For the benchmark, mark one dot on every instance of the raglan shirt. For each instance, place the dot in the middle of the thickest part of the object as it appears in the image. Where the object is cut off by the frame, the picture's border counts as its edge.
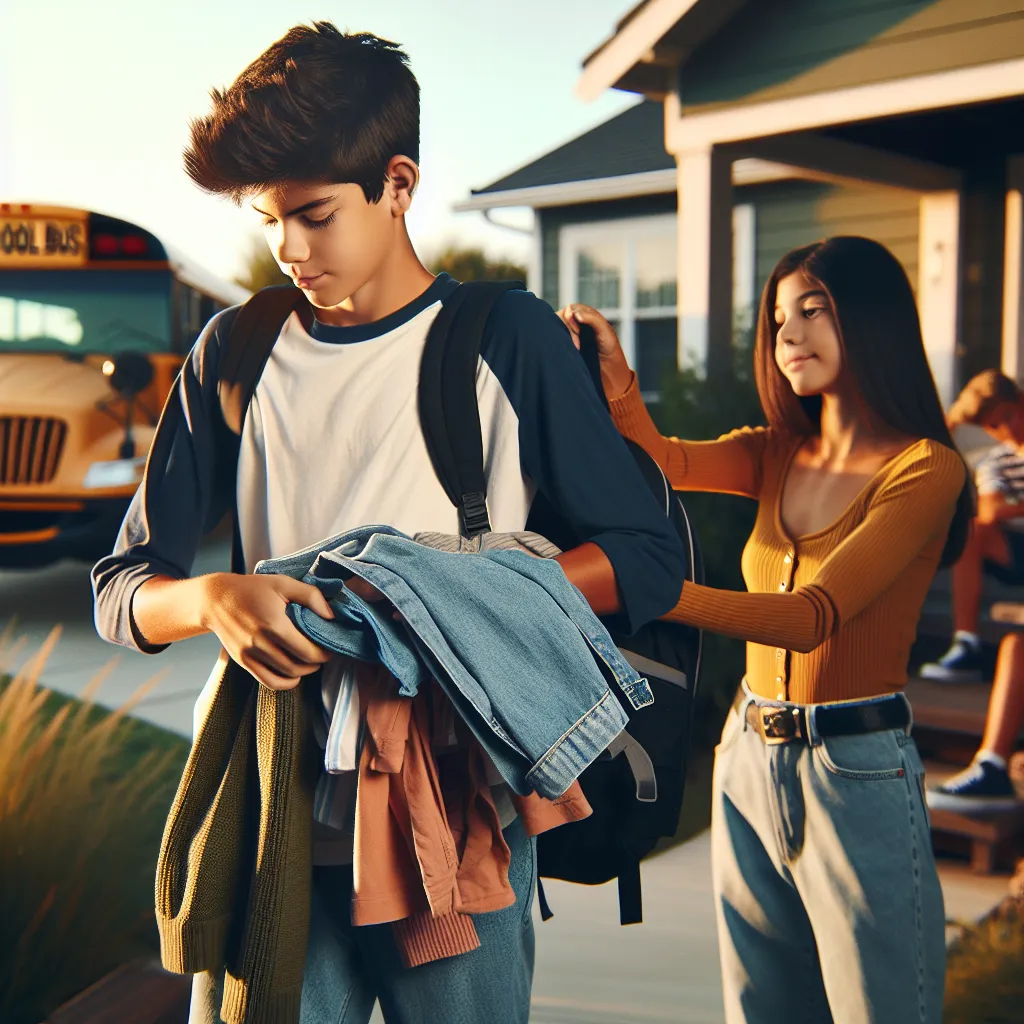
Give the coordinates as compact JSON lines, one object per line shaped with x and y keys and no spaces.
{"x":1001,"y":471}
{"x":332,"y":440}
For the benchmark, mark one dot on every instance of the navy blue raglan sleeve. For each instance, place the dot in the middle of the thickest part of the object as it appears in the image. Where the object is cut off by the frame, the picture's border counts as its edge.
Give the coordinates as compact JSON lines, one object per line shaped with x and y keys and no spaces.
{"x":572,"y":452}
{"x":187,"y":488}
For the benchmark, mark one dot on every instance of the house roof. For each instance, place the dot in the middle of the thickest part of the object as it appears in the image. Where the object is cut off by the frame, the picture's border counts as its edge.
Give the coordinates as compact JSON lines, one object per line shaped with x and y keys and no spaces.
{"x":621,"y":158}
{"x":633,"y":142}
{"x":649,"y":44}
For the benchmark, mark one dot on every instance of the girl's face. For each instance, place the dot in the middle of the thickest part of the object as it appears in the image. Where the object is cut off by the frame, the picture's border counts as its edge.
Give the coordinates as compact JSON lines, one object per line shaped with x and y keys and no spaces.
{"x":807,"y":348}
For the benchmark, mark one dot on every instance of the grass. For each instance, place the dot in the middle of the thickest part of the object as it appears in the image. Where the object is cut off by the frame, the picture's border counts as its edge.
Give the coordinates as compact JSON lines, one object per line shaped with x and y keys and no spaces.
{"x":985,"y":970}
{"x":84,"y":794}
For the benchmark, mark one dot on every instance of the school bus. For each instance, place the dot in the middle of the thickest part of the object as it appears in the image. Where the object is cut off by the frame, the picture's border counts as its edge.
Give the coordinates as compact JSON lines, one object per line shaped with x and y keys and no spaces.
{"x":96,"y":317}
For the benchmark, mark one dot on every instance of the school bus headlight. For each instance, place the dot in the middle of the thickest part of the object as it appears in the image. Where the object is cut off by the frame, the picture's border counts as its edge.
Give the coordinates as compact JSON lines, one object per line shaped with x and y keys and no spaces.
{"x":119,"y":473}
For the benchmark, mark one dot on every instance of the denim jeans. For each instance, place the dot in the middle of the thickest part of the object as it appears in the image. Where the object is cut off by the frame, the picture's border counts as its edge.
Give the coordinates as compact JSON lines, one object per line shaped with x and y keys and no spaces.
{"x":828,"y":902}
{"x":513,"y":644}
{"x":348,"y":969}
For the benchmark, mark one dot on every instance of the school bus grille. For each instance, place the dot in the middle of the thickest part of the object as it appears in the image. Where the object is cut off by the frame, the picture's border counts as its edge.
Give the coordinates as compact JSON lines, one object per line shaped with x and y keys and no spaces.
{"x":30,"y":448}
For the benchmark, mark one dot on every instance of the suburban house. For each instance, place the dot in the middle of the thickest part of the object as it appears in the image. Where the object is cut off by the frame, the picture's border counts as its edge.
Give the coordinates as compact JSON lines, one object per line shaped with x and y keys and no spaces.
{"x":762,"y":126}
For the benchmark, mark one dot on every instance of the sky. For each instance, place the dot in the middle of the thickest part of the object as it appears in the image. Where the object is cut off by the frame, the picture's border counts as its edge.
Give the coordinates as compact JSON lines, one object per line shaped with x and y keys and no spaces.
{"x":95,"y":100}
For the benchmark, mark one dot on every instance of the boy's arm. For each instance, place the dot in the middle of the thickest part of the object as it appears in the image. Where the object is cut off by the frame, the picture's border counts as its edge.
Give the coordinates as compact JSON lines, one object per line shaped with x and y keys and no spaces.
{"x":632,"y":562}
{"x":144,"y":598}
{"x":186,"y":489}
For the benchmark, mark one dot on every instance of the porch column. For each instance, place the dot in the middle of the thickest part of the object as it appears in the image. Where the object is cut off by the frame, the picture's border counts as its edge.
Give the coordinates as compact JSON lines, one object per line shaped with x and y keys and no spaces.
{"x":705,"y":259}
{"x":983,"y":238}
{"x":938,"y":286}
{"x":1013,"y":321}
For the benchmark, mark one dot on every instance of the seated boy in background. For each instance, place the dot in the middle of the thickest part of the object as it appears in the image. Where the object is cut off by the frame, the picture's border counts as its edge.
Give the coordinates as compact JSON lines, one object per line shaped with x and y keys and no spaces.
{"x":996,"y":545}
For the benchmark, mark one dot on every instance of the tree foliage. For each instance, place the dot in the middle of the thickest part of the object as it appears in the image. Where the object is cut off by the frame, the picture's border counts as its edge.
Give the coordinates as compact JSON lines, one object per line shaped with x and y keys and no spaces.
{"x":261,"y":269}
{"x":474,"y":265}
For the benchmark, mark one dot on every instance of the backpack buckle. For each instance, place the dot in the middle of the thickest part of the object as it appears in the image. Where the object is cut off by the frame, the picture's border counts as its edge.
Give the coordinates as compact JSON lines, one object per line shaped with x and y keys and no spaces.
{"x":474,"y":514}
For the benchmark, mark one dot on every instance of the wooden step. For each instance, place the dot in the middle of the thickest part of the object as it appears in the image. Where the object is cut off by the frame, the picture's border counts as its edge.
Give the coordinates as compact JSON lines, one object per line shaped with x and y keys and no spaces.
{"x":949,"y":707}
{"x":1008,"y":612}
{"x":993,"y":841}
{"x":949,"y":718}
{"x":139,"y":992}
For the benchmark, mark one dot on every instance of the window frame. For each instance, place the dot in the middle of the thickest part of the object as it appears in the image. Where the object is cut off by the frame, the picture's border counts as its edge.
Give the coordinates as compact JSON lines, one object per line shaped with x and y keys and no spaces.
{"x":626,"y":231}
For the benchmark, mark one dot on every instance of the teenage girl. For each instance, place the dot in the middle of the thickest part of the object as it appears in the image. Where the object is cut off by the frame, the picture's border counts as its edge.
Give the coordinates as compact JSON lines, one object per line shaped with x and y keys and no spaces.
{"x":828,"y":902}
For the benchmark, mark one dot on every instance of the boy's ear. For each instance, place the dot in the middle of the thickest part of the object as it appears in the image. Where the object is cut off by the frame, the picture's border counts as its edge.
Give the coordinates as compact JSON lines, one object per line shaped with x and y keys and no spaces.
{"x":403,"y":177}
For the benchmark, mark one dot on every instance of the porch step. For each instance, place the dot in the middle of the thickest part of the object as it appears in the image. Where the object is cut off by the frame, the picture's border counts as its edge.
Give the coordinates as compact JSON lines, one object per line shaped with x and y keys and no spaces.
{"x":139,"y":992}
{"x":993,"y":842}
{"x":949,"y":719}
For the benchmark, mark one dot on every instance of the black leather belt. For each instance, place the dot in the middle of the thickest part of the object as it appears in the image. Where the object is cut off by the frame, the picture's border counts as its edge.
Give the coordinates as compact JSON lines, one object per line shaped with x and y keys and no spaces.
{"x":783,"y":724}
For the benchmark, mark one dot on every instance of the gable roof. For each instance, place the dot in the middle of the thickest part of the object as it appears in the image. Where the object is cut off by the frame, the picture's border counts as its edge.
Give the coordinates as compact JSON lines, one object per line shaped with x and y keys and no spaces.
{"x":649,"y":43}
{"x":630,"y":143}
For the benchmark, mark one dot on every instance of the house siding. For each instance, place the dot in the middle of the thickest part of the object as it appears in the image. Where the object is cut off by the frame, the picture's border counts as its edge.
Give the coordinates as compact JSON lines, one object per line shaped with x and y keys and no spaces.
{"x":788,"y":214}
{"x":799,"y":47}
{"x":791,"y":214}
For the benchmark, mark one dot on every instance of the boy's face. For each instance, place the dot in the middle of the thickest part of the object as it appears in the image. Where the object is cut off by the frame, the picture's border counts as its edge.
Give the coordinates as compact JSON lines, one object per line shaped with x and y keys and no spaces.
{"x":328,"y":238}
{"x":1005,"y":423}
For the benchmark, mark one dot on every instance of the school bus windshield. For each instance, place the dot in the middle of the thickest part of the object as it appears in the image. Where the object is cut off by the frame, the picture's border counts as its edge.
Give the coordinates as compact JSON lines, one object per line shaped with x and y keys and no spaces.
{"x":79,"y":312}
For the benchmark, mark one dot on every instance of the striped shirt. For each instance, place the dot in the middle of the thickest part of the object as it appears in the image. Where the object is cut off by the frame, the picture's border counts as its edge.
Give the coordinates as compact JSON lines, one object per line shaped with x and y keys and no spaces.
{"x":1001,"y":471}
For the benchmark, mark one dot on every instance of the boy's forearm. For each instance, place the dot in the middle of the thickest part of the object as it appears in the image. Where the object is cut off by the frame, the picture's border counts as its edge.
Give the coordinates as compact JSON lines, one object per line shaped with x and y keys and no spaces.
{"x":165,"y":610}
{"x":587,"y":567}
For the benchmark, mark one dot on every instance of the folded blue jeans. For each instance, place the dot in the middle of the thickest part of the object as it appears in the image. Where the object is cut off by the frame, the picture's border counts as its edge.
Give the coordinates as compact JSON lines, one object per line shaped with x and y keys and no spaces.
{"x":510,"y":640}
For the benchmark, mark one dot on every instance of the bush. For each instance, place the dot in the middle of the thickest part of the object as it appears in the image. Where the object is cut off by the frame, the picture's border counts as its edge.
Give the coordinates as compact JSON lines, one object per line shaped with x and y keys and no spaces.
{"x":84,"y":797}
{"x":985,"y":971}
{"x":698,"y":408}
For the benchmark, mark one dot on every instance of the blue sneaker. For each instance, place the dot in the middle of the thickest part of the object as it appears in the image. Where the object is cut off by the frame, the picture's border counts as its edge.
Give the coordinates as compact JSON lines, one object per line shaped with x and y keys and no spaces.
{"x":980,"y":787}
{"x":962,"y":663}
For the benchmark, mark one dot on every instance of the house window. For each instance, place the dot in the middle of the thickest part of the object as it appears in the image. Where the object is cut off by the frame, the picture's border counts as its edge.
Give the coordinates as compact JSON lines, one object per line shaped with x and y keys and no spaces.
{"x":627,"y":270}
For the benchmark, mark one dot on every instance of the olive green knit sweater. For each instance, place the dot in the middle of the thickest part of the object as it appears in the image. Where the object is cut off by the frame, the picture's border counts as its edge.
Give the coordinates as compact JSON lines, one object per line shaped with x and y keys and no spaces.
{"x":234,"y":874}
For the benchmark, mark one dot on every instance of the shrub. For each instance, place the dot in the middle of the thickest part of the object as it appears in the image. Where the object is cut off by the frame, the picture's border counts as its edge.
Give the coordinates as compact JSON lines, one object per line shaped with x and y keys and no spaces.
{"x":82,"y":806}
{"x":985,"y":971}
{"x":698,"y":408}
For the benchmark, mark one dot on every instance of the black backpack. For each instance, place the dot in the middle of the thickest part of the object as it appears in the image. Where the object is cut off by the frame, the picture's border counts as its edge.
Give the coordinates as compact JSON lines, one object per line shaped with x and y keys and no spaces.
{"x":636,"y":798}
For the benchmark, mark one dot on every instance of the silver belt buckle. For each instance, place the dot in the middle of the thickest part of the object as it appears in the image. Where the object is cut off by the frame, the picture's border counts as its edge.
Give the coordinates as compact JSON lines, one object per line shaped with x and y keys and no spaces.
{"x":779,"y":725}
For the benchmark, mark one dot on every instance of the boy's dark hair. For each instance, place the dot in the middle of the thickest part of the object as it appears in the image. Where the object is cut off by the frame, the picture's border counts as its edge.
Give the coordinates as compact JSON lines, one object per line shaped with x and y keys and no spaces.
{"x":318,"y":105}
{"x":980,"y":397}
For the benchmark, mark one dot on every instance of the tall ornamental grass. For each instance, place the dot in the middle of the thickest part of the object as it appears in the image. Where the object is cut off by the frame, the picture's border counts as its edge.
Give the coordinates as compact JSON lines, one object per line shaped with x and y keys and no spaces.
{"x":82,"y":805}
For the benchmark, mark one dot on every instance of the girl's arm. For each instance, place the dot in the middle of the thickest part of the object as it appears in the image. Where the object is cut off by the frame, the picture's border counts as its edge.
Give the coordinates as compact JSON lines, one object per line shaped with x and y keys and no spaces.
{"x":908,"y":511}
{"x":730,"y":465}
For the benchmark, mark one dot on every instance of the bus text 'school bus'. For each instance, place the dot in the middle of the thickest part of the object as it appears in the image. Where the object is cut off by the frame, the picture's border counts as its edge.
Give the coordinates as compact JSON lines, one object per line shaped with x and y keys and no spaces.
{"x":96,"y":317}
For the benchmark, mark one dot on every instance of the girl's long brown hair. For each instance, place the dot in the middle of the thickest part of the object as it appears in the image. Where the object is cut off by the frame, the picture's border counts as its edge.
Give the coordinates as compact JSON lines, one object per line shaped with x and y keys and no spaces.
{"x":876,"y":319}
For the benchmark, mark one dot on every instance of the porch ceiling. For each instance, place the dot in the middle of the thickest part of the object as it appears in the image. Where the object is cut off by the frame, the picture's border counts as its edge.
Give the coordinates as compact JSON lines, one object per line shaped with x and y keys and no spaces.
{"x":955,"y":137}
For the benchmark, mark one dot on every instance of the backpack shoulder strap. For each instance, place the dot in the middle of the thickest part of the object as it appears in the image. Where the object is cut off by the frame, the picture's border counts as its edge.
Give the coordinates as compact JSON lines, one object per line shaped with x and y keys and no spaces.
{"x":449,"y":414}
{"x":250,"y":341}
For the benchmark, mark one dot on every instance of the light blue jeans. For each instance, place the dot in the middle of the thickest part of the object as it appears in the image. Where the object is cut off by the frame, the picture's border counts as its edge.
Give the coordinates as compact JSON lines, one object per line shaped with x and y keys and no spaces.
{"x":828,"y":902}
{"x":513,"y":644}
{"x":348,"y":968}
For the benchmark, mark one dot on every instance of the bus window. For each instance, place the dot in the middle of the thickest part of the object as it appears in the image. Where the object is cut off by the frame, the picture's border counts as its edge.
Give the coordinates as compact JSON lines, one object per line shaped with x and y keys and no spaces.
{"x":82,"y":312}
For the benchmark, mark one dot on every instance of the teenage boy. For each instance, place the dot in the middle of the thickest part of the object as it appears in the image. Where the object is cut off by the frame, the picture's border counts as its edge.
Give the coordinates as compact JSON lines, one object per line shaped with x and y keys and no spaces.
{"x":320,"y":135}
{"x":996,"y":546}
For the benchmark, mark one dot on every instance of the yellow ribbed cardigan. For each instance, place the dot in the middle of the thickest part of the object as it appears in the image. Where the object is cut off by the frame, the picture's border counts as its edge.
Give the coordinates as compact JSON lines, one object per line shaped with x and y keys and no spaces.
{"x":830,"y":615}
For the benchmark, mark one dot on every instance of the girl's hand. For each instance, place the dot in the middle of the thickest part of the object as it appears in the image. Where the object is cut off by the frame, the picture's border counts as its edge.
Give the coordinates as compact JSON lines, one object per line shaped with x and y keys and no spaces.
{"x":616,"y":375}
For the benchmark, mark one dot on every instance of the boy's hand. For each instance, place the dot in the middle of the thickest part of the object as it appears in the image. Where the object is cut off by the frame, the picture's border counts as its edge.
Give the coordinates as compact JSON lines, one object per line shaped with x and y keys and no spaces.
{"x":247,"y":613}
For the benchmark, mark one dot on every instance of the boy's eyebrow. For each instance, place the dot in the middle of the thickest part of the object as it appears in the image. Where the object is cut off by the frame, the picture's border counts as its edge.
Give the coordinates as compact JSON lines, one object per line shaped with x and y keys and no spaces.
{"x":300,"y":209}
